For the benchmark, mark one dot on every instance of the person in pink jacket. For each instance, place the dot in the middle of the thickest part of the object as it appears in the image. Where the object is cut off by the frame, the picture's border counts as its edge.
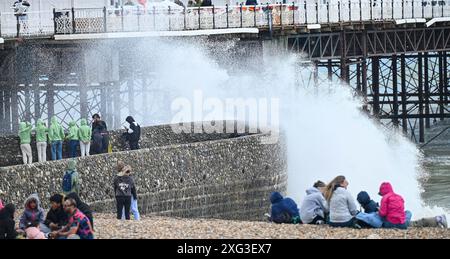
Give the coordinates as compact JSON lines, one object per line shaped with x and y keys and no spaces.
{"x":392,"y":208}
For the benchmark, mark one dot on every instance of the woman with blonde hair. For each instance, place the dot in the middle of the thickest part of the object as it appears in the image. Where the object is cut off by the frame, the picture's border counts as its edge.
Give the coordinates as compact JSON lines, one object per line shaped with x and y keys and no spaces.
{"x":341,"y":203}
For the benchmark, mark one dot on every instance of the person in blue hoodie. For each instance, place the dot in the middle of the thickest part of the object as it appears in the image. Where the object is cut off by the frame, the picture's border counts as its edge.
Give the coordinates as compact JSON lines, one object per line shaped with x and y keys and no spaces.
{"x":366,"y":203}
{"x":284,"y":210}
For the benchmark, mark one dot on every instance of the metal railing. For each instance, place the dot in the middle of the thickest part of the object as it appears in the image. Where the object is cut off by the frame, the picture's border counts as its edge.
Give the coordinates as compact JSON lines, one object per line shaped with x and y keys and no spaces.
{"x":137,"y":19}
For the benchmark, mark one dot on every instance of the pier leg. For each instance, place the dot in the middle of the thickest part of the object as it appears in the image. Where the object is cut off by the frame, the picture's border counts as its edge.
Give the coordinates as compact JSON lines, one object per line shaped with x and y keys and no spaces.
{"x":420,"y":92}
{"x":27,"y":115}
{"x":403,"y":83}
{"x":37,"y":104}
{"x":441,"y":86}
{"x":50,"y":105}
{"x":395,"y":106}
{"x":14,"y":110}
{"x":426,"y":91}
{"x":376,"y":86}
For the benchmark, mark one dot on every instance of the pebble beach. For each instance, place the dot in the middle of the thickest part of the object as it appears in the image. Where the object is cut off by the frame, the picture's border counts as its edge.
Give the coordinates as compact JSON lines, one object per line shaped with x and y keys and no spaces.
{"x":149,"y":227}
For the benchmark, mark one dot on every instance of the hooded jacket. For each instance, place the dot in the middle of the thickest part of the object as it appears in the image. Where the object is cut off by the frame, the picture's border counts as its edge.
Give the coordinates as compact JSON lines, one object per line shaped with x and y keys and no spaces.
{"x":56,"y":132}
{"x":392,"y":205}
{"x":313,"y":205}
{"x":366,"y":203}
{"x":32,"y":215}
{"x":124,"y":184}
{"x":73,"y":131}
{"x":84,"y":132}
{"x":83,"y":207}
{"x":134,"y":132}
{"x":25,"y":132}
{"x":7,"y":224}
{"x":41,"y":131}
{"x":281,"y":207}
{"x":342,"y":206}
{"x":76,"y":181}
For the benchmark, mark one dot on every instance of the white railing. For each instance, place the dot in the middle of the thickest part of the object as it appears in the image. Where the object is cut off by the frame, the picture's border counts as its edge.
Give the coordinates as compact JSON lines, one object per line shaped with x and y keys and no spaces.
{"x":136,"y":19}
{"x":34,"y":24}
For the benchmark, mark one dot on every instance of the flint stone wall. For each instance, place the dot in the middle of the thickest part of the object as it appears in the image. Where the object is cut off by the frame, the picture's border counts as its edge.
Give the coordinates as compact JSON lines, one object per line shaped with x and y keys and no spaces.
{"x":155,"y":136}
{"x":213,"y":177}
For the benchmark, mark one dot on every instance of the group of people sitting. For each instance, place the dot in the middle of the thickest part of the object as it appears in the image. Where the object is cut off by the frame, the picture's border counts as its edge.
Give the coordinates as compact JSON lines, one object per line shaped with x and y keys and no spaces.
{"x":333,"y":204}
{"x":69,"y":217}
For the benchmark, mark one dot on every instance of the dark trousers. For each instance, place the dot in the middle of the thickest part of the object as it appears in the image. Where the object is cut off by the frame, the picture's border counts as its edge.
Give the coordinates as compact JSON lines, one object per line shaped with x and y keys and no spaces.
{"x":105,"y":142}
{"x":348,"y":224}
{"x":134,"y":145}
{"x":317,"y":218}
{"x":123,"y":202}
{"x":73,"y":148}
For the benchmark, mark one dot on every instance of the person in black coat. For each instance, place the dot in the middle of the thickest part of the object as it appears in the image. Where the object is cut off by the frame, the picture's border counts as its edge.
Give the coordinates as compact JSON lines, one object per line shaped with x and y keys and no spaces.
{"x":99,"y":135}
{"x":83,"y":207}
{"x":7,"y":223}
{"x":124,"y":189}
{"x":56,"y":216}
{"x":133,"y":133}
{"x":251,"y":2}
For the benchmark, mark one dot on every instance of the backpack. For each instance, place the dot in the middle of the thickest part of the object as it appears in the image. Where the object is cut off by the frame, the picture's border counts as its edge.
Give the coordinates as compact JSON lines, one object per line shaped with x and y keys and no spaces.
{"x":67,"y":181}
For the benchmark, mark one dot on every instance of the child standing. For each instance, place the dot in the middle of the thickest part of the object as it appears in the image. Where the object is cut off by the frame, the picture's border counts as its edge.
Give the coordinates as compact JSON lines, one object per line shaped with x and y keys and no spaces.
{"x":41,"y":140}
{"x":73,"y":139}
{"x":25,"y":140}
{"x":85,"y":135}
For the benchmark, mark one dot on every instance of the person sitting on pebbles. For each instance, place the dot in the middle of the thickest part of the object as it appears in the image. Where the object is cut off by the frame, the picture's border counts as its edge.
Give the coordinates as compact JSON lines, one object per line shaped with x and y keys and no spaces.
{"x":79,"y":226}
{"x":392,"y":211}
{"x":56,"y":216}
{"x":314,"y":207}
{"x":341,"y":203}
{"x":283,"y":210}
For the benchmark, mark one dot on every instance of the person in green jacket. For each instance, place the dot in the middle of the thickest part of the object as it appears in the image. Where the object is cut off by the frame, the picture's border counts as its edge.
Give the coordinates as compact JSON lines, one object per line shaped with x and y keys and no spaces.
{"x":41,"y":140}
{"x":56,"y":135}
{"x":25,"y":140}
{"x":73,"y":138}
{"x":71,"y":180}
{"x":85,"y":135}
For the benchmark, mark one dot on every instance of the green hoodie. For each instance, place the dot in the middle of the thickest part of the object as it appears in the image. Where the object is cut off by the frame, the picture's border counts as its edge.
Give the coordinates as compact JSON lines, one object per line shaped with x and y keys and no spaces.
{"x":76,"y":181}
{"x":25,"y":132}
{"x":85,"y":132}
{"x":73,"y":131}
{"x":41,"y":131}
{"x":56,"y":132}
